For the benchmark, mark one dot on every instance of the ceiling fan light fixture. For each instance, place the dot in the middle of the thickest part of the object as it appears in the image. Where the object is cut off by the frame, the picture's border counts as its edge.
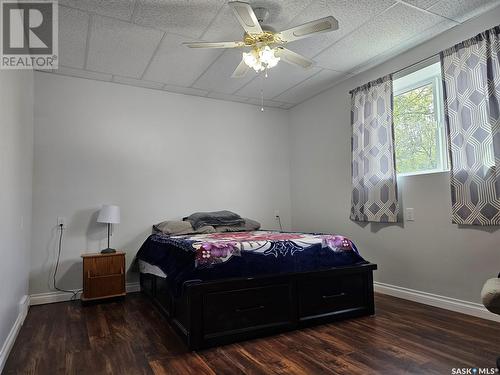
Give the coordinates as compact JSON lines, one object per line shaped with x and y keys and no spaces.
{"x":260,"y":59}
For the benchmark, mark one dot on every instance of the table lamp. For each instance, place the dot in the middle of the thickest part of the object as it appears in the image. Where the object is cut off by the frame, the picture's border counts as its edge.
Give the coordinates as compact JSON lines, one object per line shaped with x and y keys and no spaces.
{"x":109,"y":214}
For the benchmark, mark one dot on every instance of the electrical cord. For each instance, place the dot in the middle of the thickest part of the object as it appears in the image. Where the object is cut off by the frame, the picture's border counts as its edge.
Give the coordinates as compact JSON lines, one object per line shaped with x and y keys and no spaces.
{"x":279,"y":222}
{"x":73,"y":292}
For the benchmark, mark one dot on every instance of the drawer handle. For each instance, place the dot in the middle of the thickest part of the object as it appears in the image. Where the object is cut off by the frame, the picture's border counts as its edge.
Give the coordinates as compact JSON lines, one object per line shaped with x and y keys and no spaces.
{"x":244,"y":309}
{"x":334,"y":295}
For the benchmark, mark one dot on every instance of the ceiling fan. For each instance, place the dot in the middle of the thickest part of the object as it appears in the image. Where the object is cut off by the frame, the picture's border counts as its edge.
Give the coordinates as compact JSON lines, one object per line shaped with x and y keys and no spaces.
{"x":264,"y":44}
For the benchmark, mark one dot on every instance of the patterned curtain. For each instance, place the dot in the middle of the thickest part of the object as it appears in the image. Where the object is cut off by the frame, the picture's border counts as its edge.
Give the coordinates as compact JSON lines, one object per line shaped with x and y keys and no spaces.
{"x":374,"y":188}
{"x":471,"y":82}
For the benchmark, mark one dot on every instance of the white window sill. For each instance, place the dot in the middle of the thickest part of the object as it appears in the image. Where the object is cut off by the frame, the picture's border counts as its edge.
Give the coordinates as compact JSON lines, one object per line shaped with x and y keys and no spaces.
{"x":421,"y":173}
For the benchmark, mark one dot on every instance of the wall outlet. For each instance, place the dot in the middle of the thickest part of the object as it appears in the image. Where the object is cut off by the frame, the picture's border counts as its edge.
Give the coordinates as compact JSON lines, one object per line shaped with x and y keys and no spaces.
{"x":276,"y":213}
{"x":410,"y":214}
{"x":61,"y":220}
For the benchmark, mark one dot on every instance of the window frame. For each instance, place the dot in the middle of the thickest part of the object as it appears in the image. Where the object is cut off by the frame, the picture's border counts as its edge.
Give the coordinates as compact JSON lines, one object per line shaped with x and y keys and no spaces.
{"x":438,"y":102}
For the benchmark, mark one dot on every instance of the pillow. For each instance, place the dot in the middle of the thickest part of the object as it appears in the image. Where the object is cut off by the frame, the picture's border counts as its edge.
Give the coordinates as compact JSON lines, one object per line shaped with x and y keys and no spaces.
{"x":248,"y":226}
{"x":216,"y":218}
{"x":180,"y":227}
{"x":491,"y":295}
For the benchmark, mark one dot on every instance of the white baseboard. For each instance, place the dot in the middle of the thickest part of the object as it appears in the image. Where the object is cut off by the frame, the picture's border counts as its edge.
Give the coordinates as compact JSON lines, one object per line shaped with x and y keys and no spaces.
{"x":53,"y":297}
{"x":448,"y":303}
{"x":11,"y":337}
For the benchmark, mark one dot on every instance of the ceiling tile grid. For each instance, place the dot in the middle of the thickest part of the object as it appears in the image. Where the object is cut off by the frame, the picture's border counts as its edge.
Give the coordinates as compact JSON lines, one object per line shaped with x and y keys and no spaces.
{"x":138,"y":82}
{"x":396,"y":24}
{"x":317,"y":83}
{"x":170,"y":65}
{"x":462,"y":10}
{"x":218,"y":76}
{"x":120,"y":9}
{"x":80,"y":73}
{"x":343,"y":11}
{"x":278,"y":80}
{"x":139,"y":42}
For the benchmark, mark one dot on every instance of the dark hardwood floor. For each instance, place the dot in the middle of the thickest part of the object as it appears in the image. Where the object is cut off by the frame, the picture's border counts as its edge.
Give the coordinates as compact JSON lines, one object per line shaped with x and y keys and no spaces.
{"x":131,"y":337}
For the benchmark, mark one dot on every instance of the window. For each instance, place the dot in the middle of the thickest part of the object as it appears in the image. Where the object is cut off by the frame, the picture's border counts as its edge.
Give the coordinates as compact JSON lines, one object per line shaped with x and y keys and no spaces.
{"x":419,"y":134}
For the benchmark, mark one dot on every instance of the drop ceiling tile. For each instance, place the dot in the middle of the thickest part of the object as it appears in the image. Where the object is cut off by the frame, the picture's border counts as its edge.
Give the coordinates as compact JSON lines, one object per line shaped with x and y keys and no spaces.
{"x":178,"y":65}
{"x":380,"y":34}
{"x":423,"y":4}
{"x":119,"y":47}
{"x":138,"y":82}
{"x":73,"y":28}
{"x":80,"y":73}
{"x":224,"y":27}
{"x":350,"y":14}
{"x":267,"y":103}
{"x":190,"y":18}
{"x":121,"y":9}
{"x":462,"y":10}
{"x":311,"y":86}
{"x":185,"y":90}
{"x":232,"y":98}
{"x":407,"y":44}
{"x":280,"y":78}
{"x":218,"y":77}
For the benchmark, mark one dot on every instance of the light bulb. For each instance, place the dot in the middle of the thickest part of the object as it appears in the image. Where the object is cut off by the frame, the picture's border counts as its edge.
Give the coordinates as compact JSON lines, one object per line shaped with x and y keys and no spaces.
{"x":266,"y":55}
{"x":258,"y":66}
{"x":273,"y":62}
{"x":249,"y":59}
{"x":260,"y":59}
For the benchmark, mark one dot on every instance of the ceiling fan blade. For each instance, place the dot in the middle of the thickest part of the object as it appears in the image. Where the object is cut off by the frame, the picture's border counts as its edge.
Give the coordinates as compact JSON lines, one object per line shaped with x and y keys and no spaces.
{"x":308,"y":29}
{"x":214,"y":44}
{"x":246,"y":17}
{"x":294,"y":58}
{"x":241,"y":70}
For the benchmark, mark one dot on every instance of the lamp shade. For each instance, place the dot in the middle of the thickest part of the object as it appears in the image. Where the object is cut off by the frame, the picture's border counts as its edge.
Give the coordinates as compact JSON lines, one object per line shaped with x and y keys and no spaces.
{"x":109,"y":214}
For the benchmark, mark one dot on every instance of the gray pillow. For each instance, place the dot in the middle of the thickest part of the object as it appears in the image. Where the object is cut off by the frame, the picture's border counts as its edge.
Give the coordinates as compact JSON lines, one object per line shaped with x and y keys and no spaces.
{"x":172,"y":227}
{"x":248,"y":226}
{"x":216,"y":218}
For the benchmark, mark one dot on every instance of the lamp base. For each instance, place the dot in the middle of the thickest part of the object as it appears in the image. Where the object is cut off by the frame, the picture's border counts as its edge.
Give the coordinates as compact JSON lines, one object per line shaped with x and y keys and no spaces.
{"x":108,"y":251}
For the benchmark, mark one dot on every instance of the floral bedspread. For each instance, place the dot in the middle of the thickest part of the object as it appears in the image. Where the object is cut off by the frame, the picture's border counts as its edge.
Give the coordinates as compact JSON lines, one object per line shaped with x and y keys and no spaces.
{"x":215,"y":248}
{"x":203,"y":257}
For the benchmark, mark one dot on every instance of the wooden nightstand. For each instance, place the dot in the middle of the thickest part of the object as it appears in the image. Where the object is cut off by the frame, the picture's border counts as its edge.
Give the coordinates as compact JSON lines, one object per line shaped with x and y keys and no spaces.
{"x":103,"y":276}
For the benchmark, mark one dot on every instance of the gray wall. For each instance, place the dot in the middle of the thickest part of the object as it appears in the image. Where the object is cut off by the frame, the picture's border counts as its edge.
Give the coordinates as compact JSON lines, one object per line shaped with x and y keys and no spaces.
{"x":16,"y":168}
{"x":156,"y":154}
{"x":430,"y":254}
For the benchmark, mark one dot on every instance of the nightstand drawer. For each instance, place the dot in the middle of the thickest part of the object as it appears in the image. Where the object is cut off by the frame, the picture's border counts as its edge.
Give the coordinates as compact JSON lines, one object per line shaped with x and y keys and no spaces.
{"x":104,"y":266}
{"x":103,"y":275}
{"x":103,"y":286}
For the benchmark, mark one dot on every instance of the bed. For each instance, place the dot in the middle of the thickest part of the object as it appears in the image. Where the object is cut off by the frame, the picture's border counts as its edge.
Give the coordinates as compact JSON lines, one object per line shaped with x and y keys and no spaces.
{"x":218,"y":288}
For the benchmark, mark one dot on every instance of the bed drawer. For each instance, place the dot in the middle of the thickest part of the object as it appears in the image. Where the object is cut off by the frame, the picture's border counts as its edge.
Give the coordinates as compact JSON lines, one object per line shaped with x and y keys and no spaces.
{"x":246,"y":309}
{"x":331,"y":295}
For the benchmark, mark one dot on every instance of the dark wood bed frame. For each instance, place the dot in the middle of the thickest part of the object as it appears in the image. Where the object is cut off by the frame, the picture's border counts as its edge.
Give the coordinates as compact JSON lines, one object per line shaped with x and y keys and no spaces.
{"x":212,"y":313}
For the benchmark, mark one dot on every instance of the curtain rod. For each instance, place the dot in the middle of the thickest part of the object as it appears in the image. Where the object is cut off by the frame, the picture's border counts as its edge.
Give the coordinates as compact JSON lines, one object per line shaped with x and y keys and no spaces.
{"x":422,"y":61}
{"x":419,"y":62}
